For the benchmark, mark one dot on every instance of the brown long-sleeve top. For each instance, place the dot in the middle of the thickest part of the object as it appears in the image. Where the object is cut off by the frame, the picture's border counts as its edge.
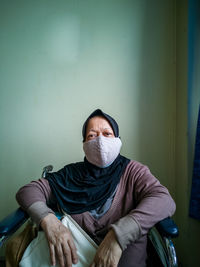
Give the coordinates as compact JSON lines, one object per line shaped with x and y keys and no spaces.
{"x":139,"y":203}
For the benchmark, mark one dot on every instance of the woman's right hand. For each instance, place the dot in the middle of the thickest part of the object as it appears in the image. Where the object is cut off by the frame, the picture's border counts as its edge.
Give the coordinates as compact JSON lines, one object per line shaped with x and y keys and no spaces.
{"x":61,"y":244}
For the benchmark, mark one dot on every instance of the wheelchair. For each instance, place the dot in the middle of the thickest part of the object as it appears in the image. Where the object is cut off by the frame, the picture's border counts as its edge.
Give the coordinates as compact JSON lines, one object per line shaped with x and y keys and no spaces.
{"x":160,"y":248}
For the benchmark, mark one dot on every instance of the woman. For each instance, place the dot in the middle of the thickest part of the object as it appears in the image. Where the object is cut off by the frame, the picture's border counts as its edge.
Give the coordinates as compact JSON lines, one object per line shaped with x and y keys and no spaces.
{"x":114,"y":199}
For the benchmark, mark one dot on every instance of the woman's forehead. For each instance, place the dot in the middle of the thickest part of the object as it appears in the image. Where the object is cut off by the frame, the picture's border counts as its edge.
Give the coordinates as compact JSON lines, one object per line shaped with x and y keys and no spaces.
{"x":98,"y":121}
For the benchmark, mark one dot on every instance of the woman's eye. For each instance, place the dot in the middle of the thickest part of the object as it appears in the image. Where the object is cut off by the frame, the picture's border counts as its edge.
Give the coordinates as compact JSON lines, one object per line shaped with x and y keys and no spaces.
{"x":108,"y":134}
{"x":90,"y":136}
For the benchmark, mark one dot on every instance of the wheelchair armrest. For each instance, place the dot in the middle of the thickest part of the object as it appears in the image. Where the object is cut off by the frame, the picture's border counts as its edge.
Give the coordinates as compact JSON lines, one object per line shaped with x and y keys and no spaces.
{"x":12,"y":222}
{"x":167,"y":228}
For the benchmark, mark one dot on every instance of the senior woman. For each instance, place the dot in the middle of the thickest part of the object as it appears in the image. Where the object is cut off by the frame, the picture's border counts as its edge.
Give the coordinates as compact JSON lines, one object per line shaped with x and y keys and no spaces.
{"x":115,"y":200}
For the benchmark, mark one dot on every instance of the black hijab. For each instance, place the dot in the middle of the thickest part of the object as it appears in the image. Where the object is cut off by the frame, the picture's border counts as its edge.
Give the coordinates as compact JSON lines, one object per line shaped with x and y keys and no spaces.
{"x":82,"y":186}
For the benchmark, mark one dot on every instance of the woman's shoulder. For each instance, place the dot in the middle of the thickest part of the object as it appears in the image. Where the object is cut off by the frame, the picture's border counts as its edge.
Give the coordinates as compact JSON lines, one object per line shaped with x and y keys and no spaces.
{"x":136,"y":166}
{"x":136,"y":175}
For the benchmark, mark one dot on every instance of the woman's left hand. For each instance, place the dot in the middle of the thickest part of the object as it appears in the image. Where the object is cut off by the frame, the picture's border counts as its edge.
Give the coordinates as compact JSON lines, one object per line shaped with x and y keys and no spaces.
{"x":109,"y":252}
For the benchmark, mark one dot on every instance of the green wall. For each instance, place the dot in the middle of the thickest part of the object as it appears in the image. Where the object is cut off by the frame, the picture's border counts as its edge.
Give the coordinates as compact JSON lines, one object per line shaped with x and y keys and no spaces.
{"x":60,"y":60}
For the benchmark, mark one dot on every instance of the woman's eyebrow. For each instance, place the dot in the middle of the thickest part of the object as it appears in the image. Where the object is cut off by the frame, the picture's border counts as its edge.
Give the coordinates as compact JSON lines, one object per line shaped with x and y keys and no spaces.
{"x":108,"y":128}
{"x":93,"y":130}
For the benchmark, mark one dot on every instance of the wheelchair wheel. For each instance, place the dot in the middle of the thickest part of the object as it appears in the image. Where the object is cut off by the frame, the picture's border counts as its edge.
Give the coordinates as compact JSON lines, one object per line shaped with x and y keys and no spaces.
{"x":156,"y":250}
{"x":153,"y":259}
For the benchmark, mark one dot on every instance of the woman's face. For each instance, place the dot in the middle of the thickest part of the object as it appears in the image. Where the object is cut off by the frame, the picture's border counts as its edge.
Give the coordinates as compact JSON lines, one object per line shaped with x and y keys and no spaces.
{"x":97,"y":126}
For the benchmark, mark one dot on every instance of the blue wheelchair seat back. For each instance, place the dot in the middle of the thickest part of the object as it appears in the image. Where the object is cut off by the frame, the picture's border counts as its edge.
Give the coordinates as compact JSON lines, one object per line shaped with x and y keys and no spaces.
{"x":160,"y":236}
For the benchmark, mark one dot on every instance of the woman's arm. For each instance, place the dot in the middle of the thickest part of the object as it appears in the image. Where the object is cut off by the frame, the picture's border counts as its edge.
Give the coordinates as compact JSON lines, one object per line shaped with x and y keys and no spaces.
{"x":153,"y":204}
{"x":35,"y":198}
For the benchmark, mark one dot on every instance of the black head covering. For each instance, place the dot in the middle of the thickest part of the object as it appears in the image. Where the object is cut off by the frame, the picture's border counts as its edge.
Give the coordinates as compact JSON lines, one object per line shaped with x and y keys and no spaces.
{"x":99,"y":112}
{"x":82,"y":186}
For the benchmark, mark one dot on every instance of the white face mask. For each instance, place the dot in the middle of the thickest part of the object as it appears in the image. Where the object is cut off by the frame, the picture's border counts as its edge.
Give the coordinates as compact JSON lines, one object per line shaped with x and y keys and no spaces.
{"x":102,"y":151}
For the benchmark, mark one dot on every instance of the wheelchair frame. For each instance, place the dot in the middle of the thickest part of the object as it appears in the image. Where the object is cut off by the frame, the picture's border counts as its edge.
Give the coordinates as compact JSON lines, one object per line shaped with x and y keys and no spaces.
{"x":160,"y":235}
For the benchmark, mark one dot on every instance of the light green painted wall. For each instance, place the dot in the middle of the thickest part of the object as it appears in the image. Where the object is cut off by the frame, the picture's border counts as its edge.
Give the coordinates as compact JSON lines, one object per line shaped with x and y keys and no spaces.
{"x":59,"y":60}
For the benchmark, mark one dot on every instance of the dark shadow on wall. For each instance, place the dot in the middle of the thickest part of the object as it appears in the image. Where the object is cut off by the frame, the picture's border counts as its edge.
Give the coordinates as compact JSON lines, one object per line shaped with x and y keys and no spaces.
{"x":157,"y":92}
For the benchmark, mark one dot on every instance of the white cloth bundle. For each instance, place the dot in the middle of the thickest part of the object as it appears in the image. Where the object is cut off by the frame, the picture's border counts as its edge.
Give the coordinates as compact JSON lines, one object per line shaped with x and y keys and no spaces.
{"x":37,"y":253}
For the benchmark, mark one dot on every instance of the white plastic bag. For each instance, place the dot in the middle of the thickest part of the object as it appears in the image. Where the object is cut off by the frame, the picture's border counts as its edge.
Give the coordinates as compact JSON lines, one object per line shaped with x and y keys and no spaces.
{"x":37,"y":253}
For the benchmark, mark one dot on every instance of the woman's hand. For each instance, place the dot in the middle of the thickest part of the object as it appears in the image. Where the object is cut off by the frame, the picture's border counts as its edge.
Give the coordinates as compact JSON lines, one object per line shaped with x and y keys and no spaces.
{"x":109,"y":252}
{"x":61,"y":244}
